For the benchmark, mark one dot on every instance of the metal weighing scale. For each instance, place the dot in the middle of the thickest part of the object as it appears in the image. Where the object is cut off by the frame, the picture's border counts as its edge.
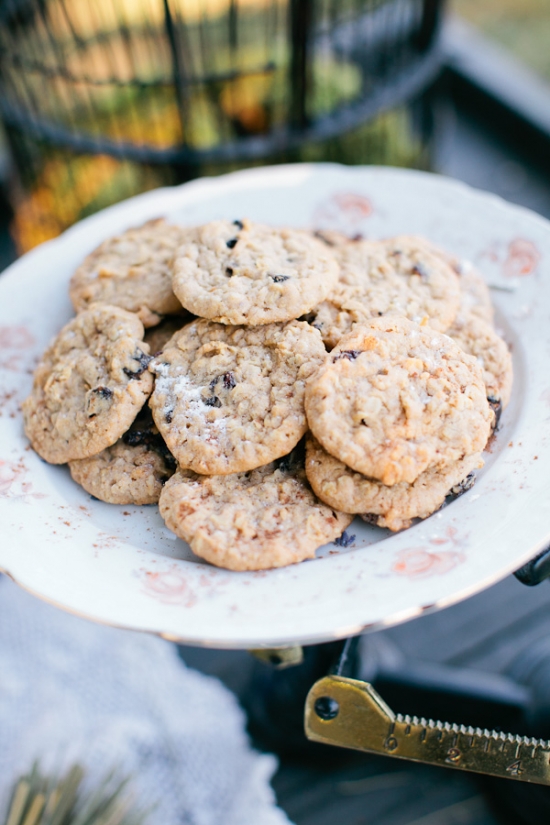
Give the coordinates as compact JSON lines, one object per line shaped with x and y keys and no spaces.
{"x":350,"y":713}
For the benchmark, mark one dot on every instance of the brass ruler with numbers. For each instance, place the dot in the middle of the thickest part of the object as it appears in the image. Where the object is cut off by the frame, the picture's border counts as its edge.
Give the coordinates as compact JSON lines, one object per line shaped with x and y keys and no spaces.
{"x":351,"y":714}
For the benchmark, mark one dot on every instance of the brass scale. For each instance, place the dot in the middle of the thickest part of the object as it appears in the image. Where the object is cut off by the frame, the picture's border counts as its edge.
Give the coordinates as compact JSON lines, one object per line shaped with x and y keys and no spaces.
{"x":350,"y":713}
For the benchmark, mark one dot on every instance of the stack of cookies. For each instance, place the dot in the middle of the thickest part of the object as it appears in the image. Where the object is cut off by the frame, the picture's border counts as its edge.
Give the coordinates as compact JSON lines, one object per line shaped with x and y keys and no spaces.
{"x":399,"y":413}
{"x":207,"y":414}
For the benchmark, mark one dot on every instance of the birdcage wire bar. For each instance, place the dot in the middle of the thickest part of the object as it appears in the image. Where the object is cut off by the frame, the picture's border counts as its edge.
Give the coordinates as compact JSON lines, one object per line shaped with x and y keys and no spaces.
{"x":187,"y":87}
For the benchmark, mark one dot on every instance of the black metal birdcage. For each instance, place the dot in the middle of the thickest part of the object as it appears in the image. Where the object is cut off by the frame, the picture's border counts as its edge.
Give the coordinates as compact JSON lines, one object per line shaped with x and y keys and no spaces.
{"x":107,"y":98}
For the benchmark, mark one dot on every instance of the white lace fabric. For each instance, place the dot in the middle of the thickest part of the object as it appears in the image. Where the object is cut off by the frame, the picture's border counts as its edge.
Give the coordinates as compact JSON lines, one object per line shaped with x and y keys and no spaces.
{"x":73,"y":691}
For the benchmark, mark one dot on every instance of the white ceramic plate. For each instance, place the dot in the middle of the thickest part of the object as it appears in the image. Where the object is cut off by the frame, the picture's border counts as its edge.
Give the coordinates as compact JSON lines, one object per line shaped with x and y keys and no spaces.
{"x":120,"y":565}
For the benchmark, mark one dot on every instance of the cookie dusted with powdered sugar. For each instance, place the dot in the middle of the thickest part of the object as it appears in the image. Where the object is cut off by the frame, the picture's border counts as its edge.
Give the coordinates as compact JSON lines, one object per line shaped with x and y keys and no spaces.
{"x":89,"y":385}
{"x":229,"y":399}
{"x":242,"y":272}
{"x":132,"y":471}
{"x":393,"y":507}
{"x":397,"y":277}
{"x":394,"y":399}
{"x":265,"y":518}
{"x":132,"y":271}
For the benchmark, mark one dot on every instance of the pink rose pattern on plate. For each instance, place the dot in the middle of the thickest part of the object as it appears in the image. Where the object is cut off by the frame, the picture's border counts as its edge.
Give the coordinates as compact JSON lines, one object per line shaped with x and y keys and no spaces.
{"x":417,"y":562}
{"x":523,"y":258}
{"x":344,"y":211}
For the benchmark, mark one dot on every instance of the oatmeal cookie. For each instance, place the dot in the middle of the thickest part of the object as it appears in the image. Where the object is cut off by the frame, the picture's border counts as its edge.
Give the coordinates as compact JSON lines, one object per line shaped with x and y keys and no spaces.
{"x":229,"y":399}
{"x":400,"y":276}
{"x":89,"y":386}
{"x":394,"y":399}
{"x":242,"y":272}
{"x":132,"y":471}
{"x":478,"y":338}
{"x":392,"y":507}
{"x":475,"y":298}
{"x":132,"y":271}
{"x":265,"y":518}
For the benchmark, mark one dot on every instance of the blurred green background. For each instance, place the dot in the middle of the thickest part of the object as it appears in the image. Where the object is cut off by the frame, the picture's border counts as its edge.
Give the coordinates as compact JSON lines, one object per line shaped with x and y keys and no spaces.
{"x":522,"y":26}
